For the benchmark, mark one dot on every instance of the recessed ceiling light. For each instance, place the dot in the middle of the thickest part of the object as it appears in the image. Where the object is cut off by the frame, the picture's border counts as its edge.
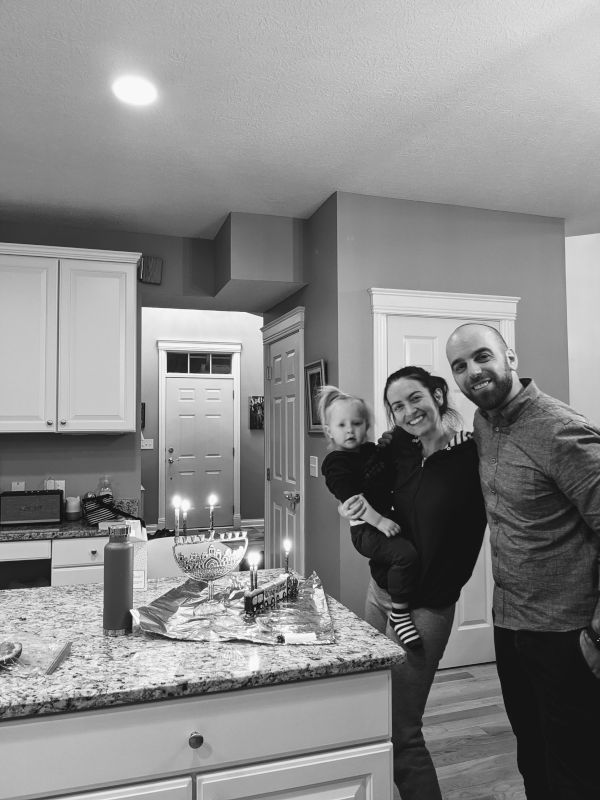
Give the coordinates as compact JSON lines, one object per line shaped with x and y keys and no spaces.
{"x":134,"y":90}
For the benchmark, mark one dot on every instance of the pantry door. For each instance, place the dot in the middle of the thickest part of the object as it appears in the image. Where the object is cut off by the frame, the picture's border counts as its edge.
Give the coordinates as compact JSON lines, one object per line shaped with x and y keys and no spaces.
{"x":413,"y":328}
{"x":284,"y":439}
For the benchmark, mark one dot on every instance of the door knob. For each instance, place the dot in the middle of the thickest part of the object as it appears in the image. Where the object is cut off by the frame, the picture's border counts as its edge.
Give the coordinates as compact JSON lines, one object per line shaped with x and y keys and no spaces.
{"x":171,"y":461}
{"x":293,"y":499}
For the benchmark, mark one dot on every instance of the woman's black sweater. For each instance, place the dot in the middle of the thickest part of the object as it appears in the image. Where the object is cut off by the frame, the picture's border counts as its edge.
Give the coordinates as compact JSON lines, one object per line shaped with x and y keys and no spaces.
{"x":439,"y":506}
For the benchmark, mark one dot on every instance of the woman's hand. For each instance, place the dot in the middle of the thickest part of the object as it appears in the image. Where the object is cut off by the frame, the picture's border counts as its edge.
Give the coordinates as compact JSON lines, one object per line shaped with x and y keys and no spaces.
{"x":591,"y":655}
{"x":352,"y":508}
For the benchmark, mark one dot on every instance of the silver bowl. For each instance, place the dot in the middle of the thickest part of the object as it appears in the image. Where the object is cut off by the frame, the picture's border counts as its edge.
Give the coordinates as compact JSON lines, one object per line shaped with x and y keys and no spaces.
{"x":208,"y":557}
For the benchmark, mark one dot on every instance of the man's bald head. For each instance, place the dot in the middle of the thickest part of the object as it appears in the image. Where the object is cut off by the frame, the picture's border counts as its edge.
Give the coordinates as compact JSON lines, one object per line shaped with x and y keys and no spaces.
{"x":483,"y":365}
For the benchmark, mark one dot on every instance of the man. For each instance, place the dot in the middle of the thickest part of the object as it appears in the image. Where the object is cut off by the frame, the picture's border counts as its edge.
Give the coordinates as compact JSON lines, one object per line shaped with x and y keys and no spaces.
{"x":540,"y":474}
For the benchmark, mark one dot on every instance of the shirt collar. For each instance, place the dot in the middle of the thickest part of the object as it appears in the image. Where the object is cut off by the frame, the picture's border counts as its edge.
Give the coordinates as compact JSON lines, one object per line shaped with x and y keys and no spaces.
{"x":512,"y":410}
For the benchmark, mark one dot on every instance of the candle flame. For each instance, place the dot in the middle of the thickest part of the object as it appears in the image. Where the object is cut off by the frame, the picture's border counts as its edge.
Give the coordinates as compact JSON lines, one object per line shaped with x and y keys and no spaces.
{"x":176,"y":501}
{"x":253,"y":559}
{"x":287,"y":545}
{"x":185,"y":506}
{"x":212,"y":500}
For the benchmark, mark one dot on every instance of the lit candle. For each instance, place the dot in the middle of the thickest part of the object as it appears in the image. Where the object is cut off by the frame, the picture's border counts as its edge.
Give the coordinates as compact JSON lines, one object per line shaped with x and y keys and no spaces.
{"x":176,"y":505}
{"x":212,"y":502}
{"x":287,"y":546}
{"x":185,"y":506}
{"x":253,"y":559}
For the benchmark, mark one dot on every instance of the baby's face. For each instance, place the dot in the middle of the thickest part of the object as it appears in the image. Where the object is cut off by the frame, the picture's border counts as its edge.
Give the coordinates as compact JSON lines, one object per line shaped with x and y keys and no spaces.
{"x":346,"y":425}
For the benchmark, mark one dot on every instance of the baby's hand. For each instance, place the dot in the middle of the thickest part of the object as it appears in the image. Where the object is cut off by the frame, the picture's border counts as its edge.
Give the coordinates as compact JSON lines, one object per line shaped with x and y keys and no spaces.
{"x":353,"y":507}
{"x":388,"y":527}
{"x":386,"y":438}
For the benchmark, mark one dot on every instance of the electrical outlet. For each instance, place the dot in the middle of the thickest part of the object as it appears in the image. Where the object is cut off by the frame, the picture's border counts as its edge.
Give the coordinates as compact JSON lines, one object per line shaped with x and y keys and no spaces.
{"x":314,"y":466}
{"x":60,"y":485}
{"x":18,"y":486}
{"x":147,"y":444}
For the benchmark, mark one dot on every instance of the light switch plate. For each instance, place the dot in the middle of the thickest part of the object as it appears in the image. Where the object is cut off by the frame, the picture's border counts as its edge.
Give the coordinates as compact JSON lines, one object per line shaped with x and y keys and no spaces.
{"x":49,"y":483}
{"x":59,"y":485}
{"x":147,"y":444}
{"x":18,"y":486}
{"x":314,"y":466}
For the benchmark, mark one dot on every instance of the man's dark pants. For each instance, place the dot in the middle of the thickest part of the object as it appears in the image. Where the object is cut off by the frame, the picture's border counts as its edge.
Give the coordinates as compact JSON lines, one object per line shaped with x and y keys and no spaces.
{"x":553,"y":703}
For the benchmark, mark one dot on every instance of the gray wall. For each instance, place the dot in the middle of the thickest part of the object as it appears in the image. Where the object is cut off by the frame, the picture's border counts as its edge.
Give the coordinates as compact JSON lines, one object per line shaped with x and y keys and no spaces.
{"x":431,"y":247}
{"x":189,"y":325}
{"x":356,"y":242}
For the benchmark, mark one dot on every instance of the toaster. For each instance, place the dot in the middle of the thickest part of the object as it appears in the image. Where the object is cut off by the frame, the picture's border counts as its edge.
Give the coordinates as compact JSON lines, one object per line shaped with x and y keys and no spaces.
{"x":23,"y":508}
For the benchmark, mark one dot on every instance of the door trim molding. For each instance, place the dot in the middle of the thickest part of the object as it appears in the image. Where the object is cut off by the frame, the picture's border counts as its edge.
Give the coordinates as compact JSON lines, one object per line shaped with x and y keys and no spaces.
{"x":235,"y":349}
{"x":287,"y":324}
{"x":453,"y":305}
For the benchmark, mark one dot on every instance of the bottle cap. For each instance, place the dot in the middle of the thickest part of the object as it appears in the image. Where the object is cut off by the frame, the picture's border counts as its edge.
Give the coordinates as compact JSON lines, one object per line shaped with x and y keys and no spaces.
{"x":117,"y":533}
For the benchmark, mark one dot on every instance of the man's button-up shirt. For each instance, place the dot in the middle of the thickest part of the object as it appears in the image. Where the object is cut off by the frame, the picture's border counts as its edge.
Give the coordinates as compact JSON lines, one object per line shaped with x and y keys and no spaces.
{"x":540,"y":474}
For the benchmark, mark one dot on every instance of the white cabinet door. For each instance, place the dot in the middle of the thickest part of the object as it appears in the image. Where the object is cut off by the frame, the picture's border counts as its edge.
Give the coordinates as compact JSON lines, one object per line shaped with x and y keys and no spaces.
{"x":97,"y":331}
{"x":361,"y":773}
{"x":28,"y":334}
{"x":179,"y":789}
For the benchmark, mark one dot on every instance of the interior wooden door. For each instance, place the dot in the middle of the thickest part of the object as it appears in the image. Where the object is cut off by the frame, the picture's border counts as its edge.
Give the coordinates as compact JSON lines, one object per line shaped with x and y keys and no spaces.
{"x":199,"y":447}
{"x":285,"y":428}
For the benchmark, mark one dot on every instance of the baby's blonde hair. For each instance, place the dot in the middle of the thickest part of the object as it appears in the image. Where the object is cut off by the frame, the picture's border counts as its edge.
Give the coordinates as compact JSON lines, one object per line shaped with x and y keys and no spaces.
{"x":328,"y":395}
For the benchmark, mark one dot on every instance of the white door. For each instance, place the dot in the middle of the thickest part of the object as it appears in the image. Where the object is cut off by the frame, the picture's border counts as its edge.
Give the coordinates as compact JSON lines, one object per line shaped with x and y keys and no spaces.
{"x":199,"y":448}
{"x":28,"y":343}
{"x":422,"y":341}
{"x":285,"y":430}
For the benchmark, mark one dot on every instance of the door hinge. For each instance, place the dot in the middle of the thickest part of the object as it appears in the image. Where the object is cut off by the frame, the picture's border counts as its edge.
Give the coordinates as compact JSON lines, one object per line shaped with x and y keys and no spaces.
{"x":268,"y":473}
{"x":268,"y":373}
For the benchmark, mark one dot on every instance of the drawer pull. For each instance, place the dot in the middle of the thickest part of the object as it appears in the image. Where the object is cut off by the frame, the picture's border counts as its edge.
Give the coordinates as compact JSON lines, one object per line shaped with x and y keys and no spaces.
{"x":196,"y":740}
{"x":94,"y":552}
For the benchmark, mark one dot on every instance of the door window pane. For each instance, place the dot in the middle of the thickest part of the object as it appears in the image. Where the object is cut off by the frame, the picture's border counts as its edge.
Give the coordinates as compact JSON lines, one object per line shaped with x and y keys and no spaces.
{"x":221,"y":364}
{"x":177,"y":362}
{"x":200,"y":363}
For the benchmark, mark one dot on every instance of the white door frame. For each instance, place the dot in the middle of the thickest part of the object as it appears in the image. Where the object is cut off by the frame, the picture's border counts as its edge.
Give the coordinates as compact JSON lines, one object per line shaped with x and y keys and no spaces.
{"x":287,"y":324}
{"x":234,"y":348}
{"x":410,"y":303}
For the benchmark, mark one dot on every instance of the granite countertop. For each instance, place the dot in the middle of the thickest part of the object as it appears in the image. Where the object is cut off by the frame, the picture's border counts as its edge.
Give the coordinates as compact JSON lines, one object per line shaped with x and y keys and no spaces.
{"x":103,"y":672}
{"x":61,"y":530}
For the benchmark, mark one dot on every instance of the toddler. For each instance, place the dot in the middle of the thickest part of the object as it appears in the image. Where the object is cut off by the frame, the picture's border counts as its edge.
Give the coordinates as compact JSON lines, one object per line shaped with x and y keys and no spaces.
{"x":356,"y":466}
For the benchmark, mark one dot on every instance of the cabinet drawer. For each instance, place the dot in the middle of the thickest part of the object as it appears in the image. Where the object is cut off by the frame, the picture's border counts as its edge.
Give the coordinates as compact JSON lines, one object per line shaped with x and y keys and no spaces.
{"x":151,"y":741}
{"x":24,"y":551}
{"x":356,"y":773}
{"x":78,"y":552}
{"x":67,"y":576}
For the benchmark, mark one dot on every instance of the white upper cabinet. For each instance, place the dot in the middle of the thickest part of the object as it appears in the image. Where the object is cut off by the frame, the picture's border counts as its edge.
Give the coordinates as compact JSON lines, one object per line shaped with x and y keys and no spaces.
{"x":68,"y":322}
{"x":28,"y":342}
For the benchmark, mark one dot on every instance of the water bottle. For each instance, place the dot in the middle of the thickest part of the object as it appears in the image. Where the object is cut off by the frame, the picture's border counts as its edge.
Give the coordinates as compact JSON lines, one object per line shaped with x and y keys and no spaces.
{"x":118,"y":582}
{"x":105,"y":489}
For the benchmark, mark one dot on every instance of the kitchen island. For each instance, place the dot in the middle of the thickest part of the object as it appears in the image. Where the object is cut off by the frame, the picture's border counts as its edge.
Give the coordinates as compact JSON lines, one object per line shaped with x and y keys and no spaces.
{"x":142,"y":716}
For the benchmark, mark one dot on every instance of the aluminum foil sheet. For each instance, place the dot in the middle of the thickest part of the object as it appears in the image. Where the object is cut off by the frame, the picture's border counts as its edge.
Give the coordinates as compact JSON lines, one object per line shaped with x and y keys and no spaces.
{"x":184,"y":613}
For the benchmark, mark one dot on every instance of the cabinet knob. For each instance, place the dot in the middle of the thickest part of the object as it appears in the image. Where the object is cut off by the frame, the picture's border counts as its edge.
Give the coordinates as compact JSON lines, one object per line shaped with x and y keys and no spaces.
{"x":196,"y":740}
{"x":94,"y":552}
{"x":49,"y":422}
{"x":63,"y":422}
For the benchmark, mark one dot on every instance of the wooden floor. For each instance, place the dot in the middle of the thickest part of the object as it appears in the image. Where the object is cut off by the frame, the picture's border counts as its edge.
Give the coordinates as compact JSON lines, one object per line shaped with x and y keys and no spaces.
{"x":469,"y":737}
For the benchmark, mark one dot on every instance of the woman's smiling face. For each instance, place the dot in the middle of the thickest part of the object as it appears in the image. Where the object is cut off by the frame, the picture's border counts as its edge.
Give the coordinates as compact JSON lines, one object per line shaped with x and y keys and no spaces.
{"x":413,"y":407}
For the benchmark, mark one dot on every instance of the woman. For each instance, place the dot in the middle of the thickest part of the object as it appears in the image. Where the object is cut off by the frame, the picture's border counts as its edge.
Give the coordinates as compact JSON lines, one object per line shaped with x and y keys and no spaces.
{"x":438,"y":503}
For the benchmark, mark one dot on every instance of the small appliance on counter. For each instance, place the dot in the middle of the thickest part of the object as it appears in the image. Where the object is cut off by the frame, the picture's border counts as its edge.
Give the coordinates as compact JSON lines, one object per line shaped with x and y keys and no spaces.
{"x":33,"y":507}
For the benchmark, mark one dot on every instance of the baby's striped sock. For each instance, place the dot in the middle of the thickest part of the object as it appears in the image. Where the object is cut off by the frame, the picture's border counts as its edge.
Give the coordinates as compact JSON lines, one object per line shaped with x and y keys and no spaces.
{"x":402,"y":623}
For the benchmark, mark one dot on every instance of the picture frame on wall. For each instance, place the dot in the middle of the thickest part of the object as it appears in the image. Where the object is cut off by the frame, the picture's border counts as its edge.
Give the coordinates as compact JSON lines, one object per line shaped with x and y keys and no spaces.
{"x":315,"y":376}
{"x":257,"y":412}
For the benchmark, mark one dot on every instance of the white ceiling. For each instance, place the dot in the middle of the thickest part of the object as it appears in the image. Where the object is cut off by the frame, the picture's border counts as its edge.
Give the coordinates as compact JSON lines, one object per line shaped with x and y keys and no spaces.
{"x":269,"y":106}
